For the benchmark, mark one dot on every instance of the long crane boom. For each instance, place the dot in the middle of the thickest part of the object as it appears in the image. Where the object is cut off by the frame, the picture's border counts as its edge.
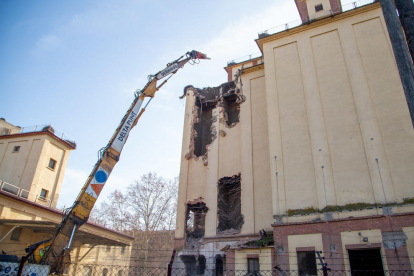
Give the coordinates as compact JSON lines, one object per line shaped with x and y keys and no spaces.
{"x":57,"y":253}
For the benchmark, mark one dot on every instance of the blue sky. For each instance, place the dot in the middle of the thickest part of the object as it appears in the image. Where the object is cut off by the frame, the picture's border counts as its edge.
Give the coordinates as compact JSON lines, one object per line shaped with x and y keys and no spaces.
{"x":76,"y":64}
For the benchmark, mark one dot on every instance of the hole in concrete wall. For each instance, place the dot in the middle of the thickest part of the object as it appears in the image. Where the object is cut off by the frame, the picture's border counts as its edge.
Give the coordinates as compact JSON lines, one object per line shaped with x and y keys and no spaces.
{"x":202,"y":127}
{"x":228,"y":97}
{"x":231,"y":109}
{"x":195,"y":219}
{"x":229,"y":213}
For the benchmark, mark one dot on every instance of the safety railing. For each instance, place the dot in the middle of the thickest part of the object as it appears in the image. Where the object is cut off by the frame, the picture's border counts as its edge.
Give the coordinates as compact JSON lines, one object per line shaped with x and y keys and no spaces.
{"x":39,"y":128}
{"x":317,"y":16}
{"x":19,"y":192}
{"x":244,"y":58}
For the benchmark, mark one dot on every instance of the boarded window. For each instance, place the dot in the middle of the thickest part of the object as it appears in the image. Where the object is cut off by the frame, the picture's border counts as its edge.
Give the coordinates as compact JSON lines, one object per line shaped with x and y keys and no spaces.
{"x":253,"y":265}
{"x":15,"y":235}
{"x":318,"y":8}
{"x":307,"y":263}
{"x":229,"y":213}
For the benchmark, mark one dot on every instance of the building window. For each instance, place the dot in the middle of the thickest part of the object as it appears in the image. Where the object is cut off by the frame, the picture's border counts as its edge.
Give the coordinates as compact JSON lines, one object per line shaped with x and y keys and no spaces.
{"x":318,"y":8}
{"x":15,"y":236}
{"x":253,"y":265}
{"x":122,"y":249}
{"x":366,"y":261}
{"x":307,"y":263}
{"x":43,"y":194}
{"x":105,"y":272}
{"x":120,"y":273}
{"x":16,"y":149}
{"x":52,"y":164}
{"x":108,"y":248}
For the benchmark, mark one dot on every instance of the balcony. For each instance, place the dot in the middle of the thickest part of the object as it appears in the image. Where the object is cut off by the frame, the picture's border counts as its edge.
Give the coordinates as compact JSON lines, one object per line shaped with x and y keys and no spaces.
{"x":22,"y":193}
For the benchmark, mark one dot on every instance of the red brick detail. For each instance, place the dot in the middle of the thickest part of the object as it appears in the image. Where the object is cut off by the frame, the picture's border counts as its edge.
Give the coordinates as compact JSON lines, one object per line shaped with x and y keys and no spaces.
{"x":273,"y":256}
{"x":230,"y":262}
{"x":363,"y":246}
{"x":331,"y":235}
{"x":229,"y":73}
{"x":308,"y":248}
{"x":252,"y":256}
{"x":178,"y":243}
{"x":335,"y":6}
{"x":254,"y":62}
{"x":303,"y":10}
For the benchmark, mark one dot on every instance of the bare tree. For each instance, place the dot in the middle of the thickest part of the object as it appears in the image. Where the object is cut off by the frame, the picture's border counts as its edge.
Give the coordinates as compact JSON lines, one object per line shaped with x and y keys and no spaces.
{"x":153,"y":200}
{"x":148,"y":208}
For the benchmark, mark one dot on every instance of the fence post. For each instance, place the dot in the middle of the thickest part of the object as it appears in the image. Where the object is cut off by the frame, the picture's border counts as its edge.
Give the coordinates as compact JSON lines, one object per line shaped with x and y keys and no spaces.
{"x":325,"y":268}
{"x":169,"y":272}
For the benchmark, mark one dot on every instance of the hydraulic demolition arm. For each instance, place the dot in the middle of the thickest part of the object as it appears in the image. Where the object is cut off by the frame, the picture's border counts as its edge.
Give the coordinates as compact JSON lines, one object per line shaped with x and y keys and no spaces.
{"x":57,"y":252}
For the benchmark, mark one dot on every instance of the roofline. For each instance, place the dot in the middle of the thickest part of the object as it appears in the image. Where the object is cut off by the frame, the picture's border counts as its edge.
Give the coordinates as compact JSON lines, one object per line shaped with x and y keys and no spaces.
{"x":249,"y":60}
{"x":37,"y":205}
{"x":38,"y":133}
{"x":261,"y":41}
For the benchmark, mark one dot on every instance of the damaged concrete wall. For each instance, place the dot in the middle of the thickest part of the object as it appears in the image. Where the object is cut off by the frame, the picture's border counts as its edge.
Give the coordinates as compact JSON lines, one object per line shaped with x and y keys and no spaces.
{"x":218,"y":143}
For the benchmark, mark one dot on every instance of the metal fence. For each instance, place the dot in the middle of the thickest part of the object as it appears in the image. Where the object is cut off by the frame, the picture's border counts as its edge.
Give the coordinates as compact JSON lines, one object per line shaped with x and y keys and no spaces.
{"x":11,"y":268}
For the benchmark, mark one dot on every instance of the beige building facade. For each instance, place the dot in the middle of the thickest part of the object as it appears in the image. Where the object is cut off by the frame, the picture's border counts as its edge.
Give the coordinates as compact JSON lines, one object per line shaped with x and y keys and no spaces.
{"x":32,"y":166}
{"x":321,"y":152}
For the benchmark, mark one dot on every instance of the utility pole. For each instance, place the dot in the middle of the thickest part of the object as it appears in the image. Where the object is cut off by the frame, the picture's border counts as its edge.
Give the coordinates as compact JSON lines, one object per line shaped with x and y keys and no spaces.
{"x":406,"y":12}
{"x":401,"y":53}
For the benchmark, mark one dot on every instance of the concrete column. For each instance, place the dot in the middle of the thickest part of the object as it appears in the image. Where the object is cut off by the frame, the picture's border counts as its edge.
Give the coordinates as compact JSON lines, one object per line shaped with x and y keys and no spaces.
{"x":212,"y":178}
{"x":182,"y":188}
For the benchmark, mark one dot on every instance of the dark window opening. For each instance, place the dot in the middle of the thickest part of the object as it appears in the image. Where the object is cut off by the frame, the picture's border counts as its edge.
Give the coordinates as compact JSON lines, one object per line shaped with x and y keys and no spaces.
{"x":194,"y":266}
{"x":307,"y":263}
{"x":203,"y":134}
{"x":219,"y":266}
{"x":195,"y":220}
{"x":108,"y":248}
{"x":43,"y":194}
{"x":231,"y":108}
{"x":122,"y":249}
{"x":52,"y":164}
{"x":105,"y":272}
{"x":230,"y":218}
{"x":16,"y":149}
{"x":318,"y":8}
{"x":362,"y":261}
{"x":15,"y":235}
{"x":253,"y":266}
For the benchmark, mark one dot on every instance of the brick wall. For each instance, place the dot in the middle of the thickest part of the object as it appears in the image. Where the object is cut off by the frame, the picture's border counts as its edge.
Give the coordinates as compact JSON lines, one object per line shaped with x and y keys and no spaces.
{"x":331,"y":235}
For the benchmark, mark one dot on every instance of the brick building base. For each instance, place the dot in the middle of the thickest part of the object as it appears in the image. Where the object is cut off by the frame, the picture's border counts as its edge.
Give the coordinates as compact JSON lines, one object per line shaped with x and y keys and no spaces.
{"x":397,"y":259}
